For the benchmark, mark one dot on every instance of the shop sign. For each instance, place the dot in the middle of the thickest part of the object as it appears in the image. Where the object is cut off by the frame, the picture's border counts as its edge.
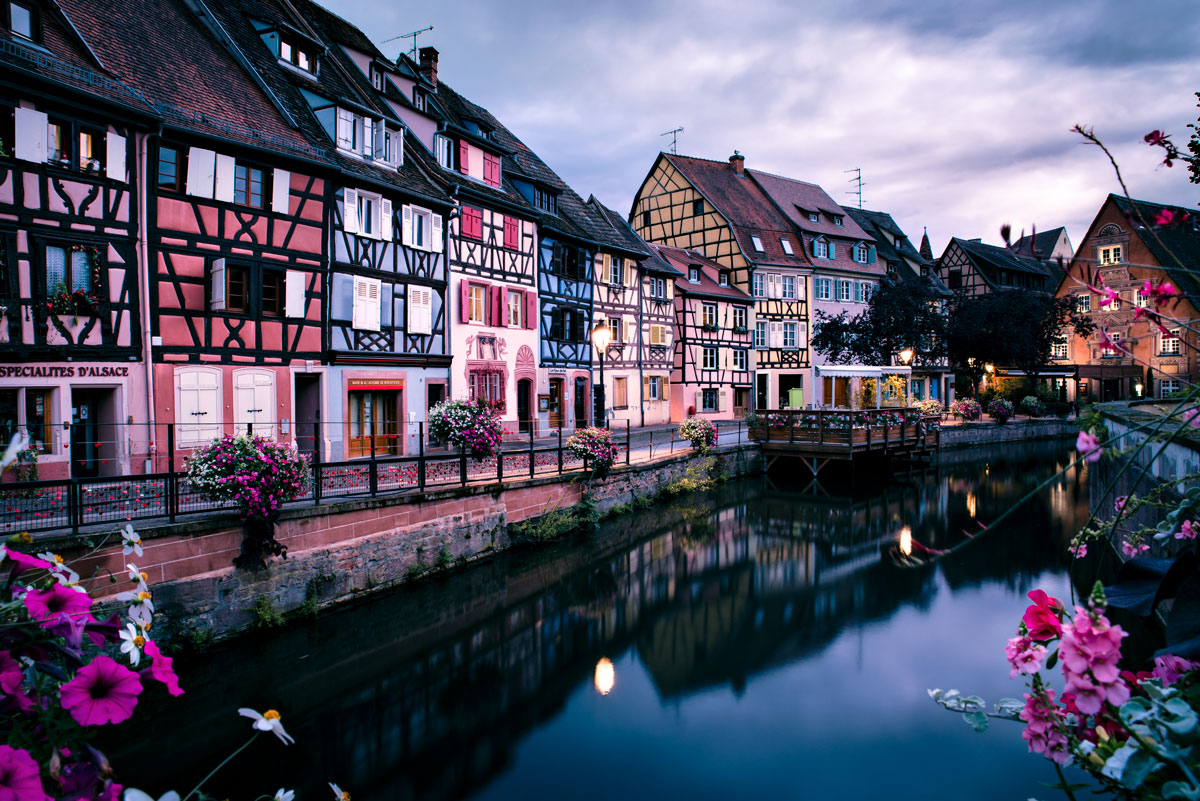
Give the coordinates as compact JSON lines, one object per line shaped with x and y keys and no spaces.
{"x":64,"y":371}
{"x":375,"y":383}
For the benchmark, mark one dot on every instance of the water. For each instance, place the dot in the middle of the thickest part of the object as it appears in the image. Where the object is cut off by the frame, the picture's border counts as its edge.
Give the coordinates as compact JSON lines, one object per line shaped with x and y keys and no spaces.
{"x":762,"y":645}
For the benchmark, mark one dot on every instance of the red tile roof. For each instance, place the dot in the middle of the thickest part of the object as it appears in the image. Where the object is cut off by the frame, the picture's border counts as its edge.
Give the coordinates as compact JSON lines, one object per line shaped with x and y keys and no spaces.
{"x":710,"y":271}
{"x":797,"y":198}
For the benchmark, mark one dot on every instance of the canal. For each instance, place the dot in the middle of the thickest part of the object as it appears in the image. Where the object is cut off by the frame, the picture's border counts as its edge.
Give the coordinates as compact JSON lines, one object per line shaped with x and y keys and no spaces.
{"x":755,"y":641}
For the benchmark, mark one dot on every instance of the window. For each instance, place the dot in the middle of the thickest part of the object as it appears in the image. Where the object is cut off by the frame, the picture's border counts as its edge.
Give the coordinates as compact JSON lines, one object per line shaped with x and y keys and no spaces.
{"x":1058,"y":348}
{"x":708,"y":400}
{"x":860,"y":253}
{"x":824,"y":287}
{"x":487,"y":385}
{"x":23,"y":21}
{"x":1168,"y":387}
{"x":708,"y":315}
{"x":724,"y":279}
{"x":377,"y":78}
{"x":71,"y":269}
{"x":837,"y":219}
{"x":658,"y":288}
{"x":373,"y":422}
{"x":169,"y":171}
{"x":821,"y":249}
{"x":248,"y":186}
{"x":814,"y":216}
{"x":954,"y":279}
{"x":653,"y":387}
{"x":786,"y":244}
{"x":740,"y":359}
{"x":1083,"y":303}
{"x":445,"y":151}
{"x":237,"y":289}
{"x":789,"y":335}
{"x":697,"y":208}
{"x":645,"y":219}
{"x":757,"y":283}
{"x":1110,"y":255}
{"x":299,"y":57}
{"x":38,"y":418}
{"x":616,"y":270}
{"x":758,"y":245}
{"x":694,"y":274}
{"x":58,"y":143}
{"x":1171,"y":343}
{"x":476,"y":303}
{"x":1115,"y":338}
{"x":516,"y":306}
{"x":843,"y":291}
{"x":1139,"y":298}
{"x":421,"y":229}
{"x":272,"y":291}
{"x":420,"y":310}
{"x":867,"y":289}
{"x":545,"y":200}
{"x":91,"y":151}
{"x":710,"y":358}
{"x":789,"y":287}
{"x":620,"y":392}
{"x":760,"y":334}
{"x":739,"y":318}
{"x":658,"y":335}
{"x":368,"y":208}
{"x":615,"y":330}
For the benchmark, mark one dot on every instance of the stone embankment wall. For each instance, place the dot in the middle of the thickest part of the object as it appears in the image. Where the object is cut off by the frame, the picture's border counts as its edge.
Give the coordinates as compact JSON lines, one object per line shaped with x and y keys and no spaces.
{"x":1020,"y":430}
{"x":340,"y":550}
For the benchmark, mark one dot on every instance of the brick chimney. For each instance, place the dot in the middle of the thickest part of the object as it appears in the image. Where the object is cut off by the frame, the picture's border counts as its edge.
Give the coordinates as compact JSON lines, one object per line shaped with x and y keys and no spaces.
{"x":738,"y":162}
{"x":429,"y":64}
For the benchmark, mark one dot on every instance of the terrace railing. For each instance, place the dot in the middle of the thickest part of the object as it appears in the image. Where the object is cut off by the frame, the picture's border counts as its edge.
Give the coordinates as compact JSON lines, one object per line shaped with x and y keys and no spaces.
{"x":846,"y":432}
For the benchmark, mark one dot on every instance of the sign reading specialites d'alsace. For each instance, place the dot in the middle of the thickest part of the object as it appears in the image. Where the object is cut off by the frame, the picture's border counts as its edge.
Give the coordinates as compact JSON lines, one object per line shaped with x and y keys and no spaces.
{"x":64,"y":371}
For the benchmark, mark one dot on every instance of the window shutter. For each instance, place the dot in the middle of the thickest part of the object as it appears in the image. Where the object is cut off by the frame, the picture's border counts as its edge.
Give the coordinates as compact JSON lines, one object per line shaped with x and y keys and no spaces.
{"x":406,"y":224}
{"x":294,"y":300}
{"x":366,"y":303}
{"x":645,"y":388}
{"x":721,"y":400}
{"x":464,"y":156}
{"x":531,"y":310}
{"x":664,"y":385}
{"x":435,"y":240}
{"x":630,"y":331}
{"x":814,"y":246}
{"x":281,"y":192}
{"x":380,"y":151}
{"x":581,"y":327}
{"x":464,"y":306}
{"x":670,"y":290}
{"x":216,"y":296}
{"x":201,"y":170}
{"x":776,"y":335}
{"x":31,"y":129}
{"x":345,"y":129}
{"x":495,"y":299}
{"x":870,"y":254}
{"x":423,"y":322}
{"x":374,"y":302}
{"x":802,"y":335}
{"x":114,"y":166}
{"x":225,"y":170}
{"x":350,"y":210}
{"x":360,"y":296}
{"x":385,"y":220}
{"x":832,"y":252}
{"x":511,"y":239}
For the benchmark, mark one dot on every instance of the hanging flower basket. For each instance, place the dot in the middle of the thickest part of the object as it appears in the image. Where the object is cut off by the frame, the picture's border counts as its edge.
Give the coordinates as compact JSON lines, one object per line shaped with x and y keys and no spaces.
{"x":700,"y":432}
{"x":471,"y":425}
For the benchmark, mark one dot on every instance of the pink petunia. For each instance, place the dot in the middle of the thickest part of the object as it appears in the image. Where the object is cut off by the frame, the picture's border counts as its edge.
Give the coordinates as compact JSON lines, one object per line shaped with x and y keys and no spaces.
{"x":1134,"y":549}
{"x":1170,"y":668}
{"x":1041,"y":618}
{"x":1088,"y":445}
{"x":48,"y":606}
{"x":160,"y":669}
{"x":1188,"y":532}
{"x":101,"y":692}
{"x":20,"y":777}
{"x":23,"y":561}
{"x":1024,"y":655}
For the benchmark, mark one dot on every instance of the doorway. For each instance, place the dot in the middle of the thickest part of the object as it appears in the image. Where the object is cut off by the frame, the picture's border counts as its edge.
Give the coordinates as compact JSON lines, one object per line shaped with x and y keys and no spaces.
{"x":374,"y":422}
{"x":524,"y":405}
{"x":434,"y":394}
{"x":581,"y":402}
{"x":308,"y":413}
{"x":760,"y":399}
{"x":741,"y":397}
{"x":791,"y":391}
{"x":836,"y":393}
{"x":1110,"y":389}
{"x":556,"y":403}
{"x":87,"y":434}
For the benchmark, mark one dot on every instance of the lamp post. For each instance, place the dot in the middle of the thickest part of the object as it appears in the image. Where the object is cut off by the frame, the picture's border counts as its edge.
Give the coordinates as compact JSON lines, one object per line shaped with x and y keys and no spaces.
{"x":601,"y":336}
{"x":906,"y":356}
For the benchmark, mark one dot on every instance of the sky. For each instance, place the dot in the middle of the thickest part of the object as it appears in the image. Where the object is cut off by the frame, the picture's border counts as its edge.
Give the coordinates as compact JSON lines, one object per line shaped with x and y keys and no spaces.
{"x":958,"y":113}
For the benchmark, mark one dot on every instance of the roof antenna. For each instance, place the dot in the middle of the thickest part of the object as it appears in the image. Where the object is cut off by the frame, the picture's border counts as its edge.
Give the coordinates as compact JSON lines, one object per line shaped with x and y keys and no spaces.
{"x":858,"y":184}
{"x":412,"y":36}
{"x":674,"y":134}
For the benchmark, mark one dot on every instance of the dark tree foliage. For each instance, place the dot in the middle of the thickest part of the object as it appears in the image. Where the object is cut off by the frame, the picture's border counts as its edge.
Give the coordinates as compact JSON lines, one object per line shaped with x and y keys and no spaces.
{"x":1193,"y":147}
{"x":1013,"y":327}
{"x":900,"y":314}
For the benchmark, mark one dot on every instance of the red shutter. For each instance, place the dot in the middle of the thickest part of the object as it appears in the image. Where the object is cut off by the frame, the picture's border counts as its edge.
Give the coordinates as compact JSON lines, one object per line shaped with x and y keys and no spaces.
{"x":464,"y":156}
{"x":496,"y":294}
{"x":491,"y":169}
{"x":472,"y":223}
{"x":511,"y":238}
{"x":465,"y":306}
{"x":531,"y":310}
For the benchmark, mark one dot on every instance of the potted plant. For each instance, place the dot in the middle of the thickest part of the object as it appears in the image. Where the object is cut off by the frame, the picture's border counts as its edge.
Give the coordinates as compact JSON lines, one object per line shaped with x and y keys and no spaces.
{"x":1032,"y":406}
{"x":470,"y":425}
{"x":930,"y":408}
{"x":700,"y":432}
{"x":596,"y":447}
{"x":967,"y":409}
{"x":1000,"y":410}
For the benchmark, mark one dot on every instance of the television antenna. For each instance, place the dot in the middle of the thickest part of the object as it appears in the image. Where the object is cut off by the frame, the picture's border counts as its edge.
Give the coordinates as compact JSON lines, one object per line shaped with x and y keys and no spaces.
{"x":674,"y":134}
{"x":412,"y":36}
{"x":858,"y":184}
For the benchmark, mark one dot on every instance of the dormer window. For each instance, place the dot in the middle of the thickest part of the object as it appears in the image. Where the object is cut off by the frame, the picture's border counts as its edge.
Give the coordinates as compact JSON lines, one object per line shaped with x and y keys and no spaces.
{"x":758,"y":244}
{"x":418,"y":99}
{"x":786,"y":244}
{"x":299,"y":56}
{"x":724,"y":279}
{"x":861,"y":253}
{"x":377,"y":78}
{"x":694,"y":275}
{"x":814,"y":216}
{"x":837,"y":220}
{"x":545,"y":200}
{"x":444,"y":148}
{"x":23,"y":21}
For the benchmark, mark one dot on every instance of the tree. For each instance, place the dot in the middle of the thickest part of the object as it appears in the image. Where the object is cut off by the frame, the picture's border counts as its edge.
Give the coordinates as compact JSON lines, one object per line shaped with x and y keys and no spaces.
{"x":900,"y":314}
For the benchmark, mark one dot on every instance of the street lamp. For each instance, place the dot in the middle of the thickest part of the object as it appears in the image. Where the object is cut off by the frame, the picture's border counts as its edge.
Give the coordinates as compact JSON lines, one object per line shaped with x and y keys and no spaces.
{"x":601,"y":336}
{"x":991,"y":368}
{"x":906,"y":355}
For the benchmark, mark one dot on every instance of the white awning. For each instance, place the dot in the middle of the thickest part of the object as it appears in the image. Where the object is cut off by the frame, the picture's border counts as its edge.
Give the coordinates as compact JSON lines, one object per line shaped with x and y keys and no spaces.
{"x":860,"y":370}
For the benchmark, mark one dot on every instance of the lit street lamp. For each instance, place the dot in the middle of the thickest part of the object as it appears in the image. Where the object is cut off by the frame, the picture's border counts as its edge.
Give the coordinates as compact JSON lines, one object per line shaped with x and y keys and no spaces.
{"x":906,"y":355}
{"x":601,"y":336}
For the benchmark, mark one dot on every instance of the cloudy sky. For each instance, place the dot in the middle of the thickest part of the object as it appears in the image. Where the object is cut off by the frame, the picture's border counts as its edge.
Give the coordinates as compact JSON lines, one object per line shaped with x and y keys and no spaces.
{"x":959,"y":113}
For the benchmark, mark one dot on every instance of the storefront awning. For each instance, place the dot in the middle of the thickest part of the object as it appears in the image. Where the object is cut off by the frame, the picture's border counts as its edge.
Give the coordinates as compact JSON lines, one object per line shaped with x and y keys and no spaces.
{"x":1111,"y":371}
{"x":860,"y":370}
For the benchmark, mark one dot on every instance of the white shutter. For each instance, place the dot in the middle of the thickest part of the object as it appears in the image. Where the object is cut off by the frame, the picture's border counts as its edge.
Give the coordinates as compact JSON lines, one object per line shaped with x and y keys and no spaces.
{"x":366,"y":135}
{"x":294,"y":300}
{"x":776,"y":335}
{"x":374,"y":302}
{"x":385,"y":220}
{"x":197,"y":403}
{"x":380,"y":149}
{"x":350,"y":210}
{"x":31,"y":129}
{"x":254,"y":401}
{"x":201,"y":170}
{"x":435,"y":242}
{"x":217,"y":287}
{"x":420,"y":310}
{"x":801,"y":335}
{"x":224,"y":186}
{"x":345,"y":129}
{"x":630,"y":331}
{"x":114,"y":166}
{"x":721,"y":400}
{"x":281,"y":192}
{"x":366,"y":304}
{"x":406,"y":223}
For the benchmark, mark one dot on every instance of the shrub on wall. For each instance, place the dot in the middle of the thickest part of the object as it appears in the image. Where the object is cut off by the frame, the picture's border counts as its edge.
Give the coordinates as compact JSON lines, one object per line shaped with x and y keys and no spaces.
{"x":596,"y":446}
{"x":700,"y":432}
{"x":472,"y":425}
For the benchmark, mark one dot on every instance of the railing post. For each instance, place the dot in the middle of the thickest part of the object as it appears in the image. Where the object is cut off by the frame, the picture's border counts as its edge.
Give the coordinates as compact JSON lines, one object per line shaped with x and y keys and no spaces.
{"x":652,"y":446}
{"x":628,"y":449}
{"x":560,"y":459}
{"x":791,"y":426}
{"x":500,"y":461}
{"x":462,"y":464}
{"x":421,"y":456}
{"x":820,"y":426}
{"x":739,"y":433}
{"x":373,"y":479}
{"x":316,"y":464}
{"x":532,"y":465}
{"x":74,"y":505}
{"x":171,"y":490}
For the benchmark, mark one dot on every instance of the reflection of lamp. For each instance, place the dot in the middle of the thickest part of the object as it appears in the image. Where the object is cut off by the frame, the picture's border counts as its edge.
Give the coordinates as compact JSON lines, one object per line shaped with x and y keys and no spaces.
{"x":1137,"y":389}
{"x":906,"y":541}
{"x":991,"y":368}
{"x":906,"y":355}
{"x":601,"y":336}
{"x":606,"y":676}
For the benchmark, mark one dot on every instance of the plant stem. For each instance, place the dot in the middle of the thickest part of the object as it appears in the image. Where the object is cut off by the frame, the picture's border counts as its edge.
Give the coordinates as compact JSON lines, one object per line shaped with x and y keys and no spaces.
{"x":1066,"y":788}
{"x":224,"y":762}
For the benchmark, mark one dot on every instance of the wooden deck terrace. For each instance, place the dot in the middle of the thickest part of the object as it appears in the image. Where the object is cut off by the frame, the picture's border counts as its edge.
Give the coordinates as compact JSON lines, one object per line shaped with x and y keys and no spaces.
{"x":820,"y":435}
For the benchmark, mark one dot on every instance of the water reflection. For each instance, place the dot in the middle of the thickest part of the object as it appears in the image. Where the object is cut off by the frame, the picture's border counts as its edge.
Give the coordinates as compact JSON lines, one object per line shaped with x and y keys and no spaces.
{"x":712,"y":615}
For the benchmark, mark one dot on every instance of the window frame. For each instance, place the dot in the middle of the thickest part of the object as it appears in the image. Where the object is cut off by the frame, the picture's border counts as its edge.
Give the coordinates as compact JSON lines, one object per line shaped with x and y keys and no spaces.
{"x":790,"y":331}
{"x":756,"y":240}
{"x":1176,"y":340}
{"x":741,"y":360}
{"x":708,"y":314}
{"x":264,"y":189}
{"x":708,"y":399}
{"x":698,"y":208}
{"x":758,"y":286}
{"x":616,"y":271}
{"x":482,"y":304}
{"x":762,"y":335}
{"x":97,"y":270}
{"x":35,"y":21}
{"x":787,"y":289}
{"x":180,"y":183}
{"x":709,"y":357}
{"x":786,"y":244}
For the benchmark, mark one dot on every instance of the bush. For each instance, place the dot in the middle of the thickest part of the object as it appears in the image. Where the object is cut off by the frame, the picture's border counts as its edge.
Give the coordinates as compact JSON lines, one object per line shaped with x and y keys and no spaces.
{"x":472,"y":426}
{"x":930,"y":407}
{"x":260,"y":474}
{"x":700,"y":432}
{"x":596,"y":446}
{"x":967,"y":408}
{"x":1000,"y":409}
{"x":1032,"y":406}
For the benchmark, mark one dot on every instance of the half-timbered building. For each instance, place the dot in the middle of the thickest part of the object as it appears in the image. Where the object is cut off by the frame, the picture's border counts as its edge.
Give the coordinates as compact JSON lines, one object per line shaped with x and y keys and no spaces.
{"x":970,"y":267}
{"x":72,"y":359}
{"x":717,"y":209}
{"x":711,"y":350}
{"x":1121,"y":252}
{"x":235,"y":222}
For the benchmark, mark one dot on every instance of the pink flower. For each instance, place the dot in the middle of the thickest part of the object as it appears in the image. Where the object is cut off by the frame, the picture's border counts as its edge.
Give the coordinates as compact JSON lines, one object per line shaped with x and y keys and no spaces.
{"x":1041,"y":618}
{"x":1024,"y":655}
{"x":1192,"y":417}
{"x":1119,"y":504}
{"x":160,"y":669}
{"x":1188,"y":532}
{"x":1155,"y":138}
{"x":1090,"y":651}
{"x":1079,"y":550}
{"x":1088,"y":445}
{"x":1165,"y":217}
{"x":23,"y":561}
{"x":1170,"y":668}
{"x":47,"y":606}
{"x":11,"y":674}
{"x":20,"y":778}
{"x":1132,"y":549}
{"x":1110,"y":297}
{"x":1044,"y":723}
{"x":101,"y":692}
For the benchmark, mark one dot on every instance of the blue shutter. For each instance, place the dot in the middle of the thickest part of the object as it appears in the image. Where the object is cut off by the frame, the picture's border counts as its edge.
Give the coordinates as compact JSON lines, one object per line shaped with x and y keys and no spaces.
{"x":814,"y":246}
{"x":870,"y":254}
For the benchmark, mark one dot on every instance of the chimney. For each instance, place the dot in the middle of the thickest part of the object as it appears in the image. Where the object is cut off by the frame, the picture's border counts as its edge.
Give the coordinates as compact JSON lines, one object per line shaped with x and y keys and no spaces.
{"x":429,"y":64}
{"x":738,"y":162}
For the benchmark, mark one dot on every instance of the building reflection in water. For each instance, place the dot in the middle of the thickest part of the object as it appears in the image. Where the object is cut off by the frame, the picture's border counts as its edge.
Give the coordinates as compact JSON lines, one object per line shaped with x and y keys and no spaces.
{"x":425,"y":692}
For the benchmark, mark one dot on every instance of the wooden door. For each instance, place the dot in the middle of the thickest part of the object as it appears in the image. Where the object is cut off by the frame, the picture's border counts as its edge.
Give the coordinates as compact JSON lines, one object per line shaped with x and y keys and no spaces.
{"x":524,"y":407}
{"x":254,"y":402}
{"x":556,"y":403}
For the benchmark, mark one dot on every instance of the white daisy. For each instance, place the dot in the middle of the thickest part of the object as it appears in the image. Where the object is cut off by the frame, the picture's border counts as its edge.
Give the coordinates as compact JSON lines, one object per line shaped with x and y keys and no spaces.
{"x":267,"y":721}
{"x":284,"y":795}
{"x":132,"y":643}
{"x":131,"y":541}
{"x":134,"y":794}
{"x":339,"y":793}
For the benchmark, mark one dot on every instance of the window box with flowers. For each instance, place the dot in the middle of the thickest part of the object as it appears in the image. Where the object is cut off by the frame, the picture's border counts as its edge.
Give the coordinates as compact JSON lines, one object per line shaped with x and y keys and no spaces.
{"x":741,"y":329}
{"x":711,"y":328}
{"x":73,"y":294}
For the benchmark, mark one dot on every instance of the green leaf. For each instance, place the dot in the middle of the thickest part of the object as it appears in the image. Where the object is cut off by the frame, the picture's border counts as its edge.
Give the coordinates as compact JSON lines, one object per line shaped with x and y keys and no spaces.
{"x":976,"y":720}
{"x":1114,"y":767}
{"x":1180,"y":790}
{"x":1179,"y":718}
{"x":1052,"y":660}
{"x":1139,"y":766}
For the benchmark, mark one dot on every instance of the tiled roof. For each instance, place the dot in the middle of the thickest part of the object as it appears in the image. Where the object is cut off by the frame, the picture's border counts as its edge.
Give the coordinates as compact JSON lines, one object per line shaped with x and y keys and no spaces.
{"x":795,"y":199}
{"x":1040,"y":245}
{"x":1176,"y":247}
{"x":708,"y":285}
{"x":748,"y":209}
{"x":623,"y":235}
{"x":883,"y":222}
{"x":989,"y":258}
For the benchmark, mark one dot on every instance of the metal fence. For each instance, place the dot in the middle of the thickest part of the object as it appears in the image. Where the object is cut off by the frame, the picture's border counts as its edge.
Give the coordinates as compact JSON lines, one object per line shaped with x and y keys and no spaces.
{"x":70,"y":504}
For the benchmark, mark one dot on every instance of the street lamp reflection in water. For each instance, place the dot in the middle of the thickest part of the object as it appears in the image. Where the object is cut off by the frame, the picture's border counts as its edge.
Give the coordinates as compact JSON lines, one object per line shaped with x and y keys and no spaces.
{"x":606,"y":676}
{"x":906,"y":541}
